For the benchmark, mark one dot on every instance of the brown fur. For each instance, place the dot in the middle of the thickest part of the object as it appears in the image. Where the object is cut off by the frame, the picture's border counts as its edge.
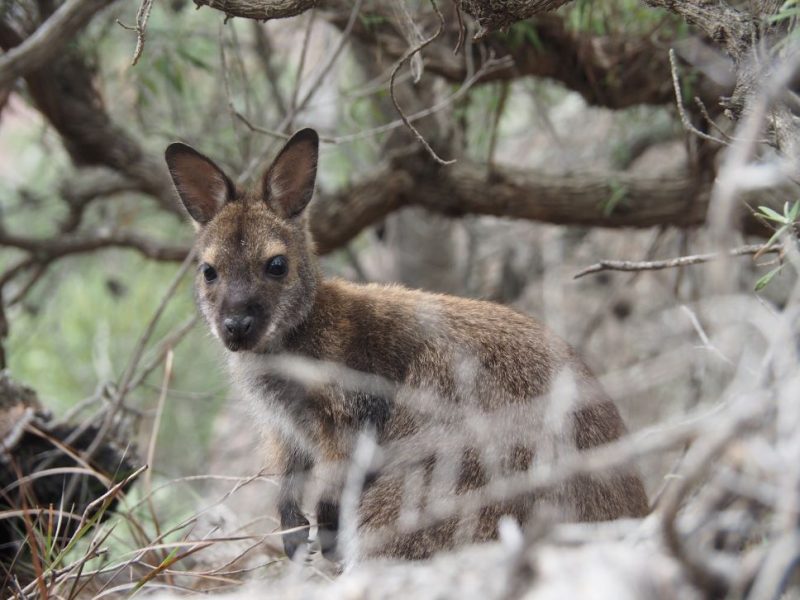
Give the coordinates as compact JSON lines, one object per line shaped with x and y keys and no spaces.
{"x":459,"y":394}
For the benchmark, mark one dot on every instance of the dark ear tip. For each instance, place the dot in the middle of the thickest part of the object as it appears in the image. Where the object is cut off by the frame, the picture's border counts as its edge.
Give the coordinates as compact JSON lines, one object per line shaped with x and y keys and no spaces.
{"x":306,"y":135}
{"x":178,"y":148}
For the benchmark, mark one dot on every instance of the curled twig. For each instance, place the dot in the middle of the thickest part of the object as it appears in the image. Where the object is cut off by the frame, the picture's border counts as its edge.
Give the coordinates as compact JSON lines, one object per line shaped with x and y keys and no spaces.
{"x":406,"y":57}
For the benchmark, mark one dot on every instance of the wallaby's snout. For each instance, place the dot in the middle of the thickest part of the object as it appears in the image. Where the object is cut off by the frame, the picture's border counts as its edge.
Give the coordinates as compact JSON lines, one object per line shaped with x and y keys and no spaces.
{"x":242,"y":324}
{"x":238,"y":326}
{"x":237,"y":330}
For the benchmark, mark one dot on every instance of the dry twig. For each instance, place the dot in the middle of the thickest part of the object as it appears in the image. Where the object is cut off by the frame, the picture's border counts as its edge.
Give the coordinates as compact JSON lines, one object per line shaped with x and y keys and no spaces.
{"x":682,"y":261}
{"x":142,"y":16}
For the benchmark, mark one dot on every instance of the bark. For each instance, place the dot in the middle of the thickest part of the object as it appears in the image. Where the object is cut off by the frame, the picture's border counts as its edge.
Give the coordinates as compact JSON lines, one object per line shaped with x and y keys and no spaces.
{"x":261,"y":10}
{"x":499,"y":14}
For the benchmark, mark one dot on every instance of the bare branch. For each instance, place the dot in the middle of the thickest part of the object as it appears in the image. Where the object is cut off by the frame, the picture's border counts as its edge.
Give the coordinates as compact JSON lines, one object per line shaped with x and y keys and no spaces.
{"x":470,"y":188}
{"x":46,"y":250}
{"x":687,"y":124}
{"x":682,"y":261}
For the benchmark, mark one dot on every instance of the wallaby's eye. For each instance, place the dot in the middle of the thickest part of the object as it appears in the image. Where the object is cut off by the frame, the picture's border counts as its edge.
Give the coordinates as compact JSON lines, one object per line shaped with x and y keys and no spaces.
{"x":277,"y":266}
{"x":209,"y":272}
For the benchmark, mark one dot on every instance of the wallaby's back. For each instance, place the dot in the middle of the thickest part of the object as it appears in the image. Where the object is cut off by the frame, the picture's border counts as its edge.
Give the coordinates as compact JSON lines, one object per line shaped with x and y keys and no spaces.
{"x":484,"y":394}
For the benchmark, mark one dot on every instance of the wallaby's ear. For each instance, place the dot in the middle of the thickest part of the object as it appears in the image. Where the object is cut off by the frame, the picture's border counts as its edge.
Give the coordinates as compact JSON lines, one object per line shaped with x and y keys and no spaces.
{"x":289,"y":183}
{"x":202,"y":186}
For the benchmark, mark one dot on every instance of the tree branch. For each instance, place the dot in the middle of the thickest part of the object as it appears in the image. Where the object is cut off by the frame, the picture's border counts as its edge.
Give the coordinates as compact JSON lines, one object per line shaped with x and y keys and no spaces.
{"x":718,"y":20}
{"x":597,"y":199}
{"x":64,"y":91}
{"x":46,"y":249}
{"x":590,"y":199}
{"x":728,"y":27}
{"x":49,"y":39}
{"x":610,"y":71}
{"x":499,"y":14}
{"x":261,"y":10}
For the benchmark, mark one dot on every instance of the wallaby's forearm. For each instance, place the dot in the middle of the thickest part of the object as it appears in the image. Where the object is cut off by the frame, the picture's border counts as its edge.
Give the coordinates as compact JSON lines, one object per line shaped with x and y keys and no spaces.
{"x":296,"y":470}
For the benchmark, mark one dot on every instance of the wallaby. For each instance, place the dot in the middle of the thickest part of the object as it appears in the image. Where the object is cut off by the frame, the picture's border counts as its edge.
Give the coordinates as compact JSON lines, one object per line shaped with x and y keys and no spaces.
{"x":462,"y":398}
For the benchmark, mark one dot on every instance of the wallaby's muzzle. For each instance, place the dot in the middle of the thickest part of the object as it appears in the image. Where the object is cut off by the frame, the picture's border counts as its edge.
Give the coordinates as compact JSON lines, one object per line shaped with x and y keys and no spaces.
{"x":240,"y":330}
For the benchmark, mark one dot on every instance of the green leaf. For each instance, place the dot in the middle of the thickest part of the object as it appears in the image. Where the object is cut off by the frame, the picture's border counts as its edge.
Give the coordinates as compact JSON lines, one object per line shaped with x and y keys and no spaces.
{"x":526,"y":31}
{"x":793,"y":212}
{"x":764,"y":281}
{"x":194,"y":60}
{"x":783,"y":15}
{"x":776,"y":235}
{"x":772,"y":215}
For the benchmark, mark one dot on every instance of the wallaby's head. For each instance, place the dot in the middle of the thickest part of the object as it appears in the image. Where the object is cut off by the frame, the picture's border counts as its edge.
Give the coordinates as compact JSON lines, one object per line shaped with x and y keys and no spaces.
{"x":257,"y":272}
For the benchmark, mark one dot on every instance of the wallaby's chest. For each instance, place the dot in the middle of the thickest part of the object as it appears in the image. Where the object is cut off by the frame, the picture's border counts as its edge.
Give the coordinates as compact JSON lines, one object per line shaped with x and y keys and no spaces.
{"x":315,"y":403}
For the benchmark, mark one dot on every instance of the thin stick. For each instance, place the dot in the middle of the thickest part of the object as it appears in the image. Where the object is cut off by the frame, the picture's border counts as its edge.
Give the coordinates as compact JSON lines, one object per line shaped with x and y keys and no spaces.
{"x":301,"y":64}
{"x":408,"y":55}
{"x":707,"y":117}
{"x":681,"y":261}
{"x":318,"y":79}
{"x":167,"y":344}
{"x":490,"y":66}
{"x":462,"y":29}
{"x":142,"y":16}
{"x":687,"y":124}
{"x":124,"y":385}
{"x":704,"y":573}
{"x":151,"y":447}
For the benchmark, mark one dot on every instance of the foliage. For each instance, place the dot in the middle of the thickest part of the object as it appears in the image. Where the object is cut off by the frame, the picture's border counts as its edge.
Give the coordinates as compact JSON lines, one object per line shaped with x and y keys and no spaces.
{"x":786,"y":226}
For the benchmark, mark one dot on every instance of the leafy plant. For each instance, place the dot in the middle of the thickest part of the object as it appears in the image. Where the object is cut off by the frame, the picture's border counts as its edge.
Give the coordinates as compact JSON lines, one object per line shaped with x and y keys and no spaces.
{"x":786,"y":223}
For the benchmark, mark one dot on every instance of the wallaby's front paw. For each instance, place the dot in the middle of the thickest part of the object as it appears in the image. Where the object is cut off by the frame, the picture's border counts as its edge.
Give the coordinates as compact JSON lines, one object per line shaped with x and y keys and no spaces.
{"x":327,"y":543}
{"x":298,"y":536}
{"x":328,"y":523}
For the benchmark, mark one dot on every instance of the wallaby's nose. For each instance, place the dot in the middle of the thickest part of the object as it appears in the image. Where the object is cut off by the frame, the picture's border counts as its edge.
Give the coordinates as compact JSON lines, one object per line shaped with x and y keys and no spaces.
{"x":239,"y":325}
